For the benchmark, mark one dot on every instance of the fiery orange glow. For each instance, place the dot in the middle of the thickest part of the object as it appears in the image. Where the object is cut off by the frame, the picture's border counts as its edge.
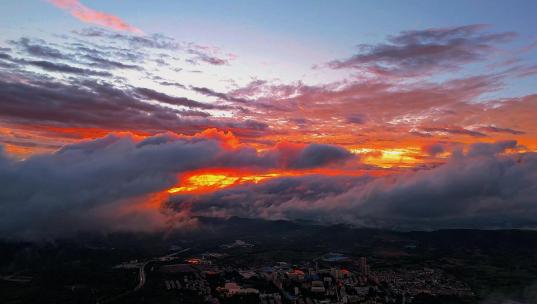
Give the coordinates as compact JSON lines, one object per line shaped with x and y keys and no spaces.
{"x":211,"y":181}
{"x":228,"y":139}
{"x":92,"y":133}
{"x":389,"y":158}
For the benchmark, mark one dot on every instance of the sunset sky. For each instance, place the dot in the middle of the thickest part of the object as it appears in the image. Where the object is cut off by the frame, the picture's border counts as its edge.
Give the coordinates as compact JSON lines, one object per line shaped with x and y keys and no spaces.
{"x":138,"y":115}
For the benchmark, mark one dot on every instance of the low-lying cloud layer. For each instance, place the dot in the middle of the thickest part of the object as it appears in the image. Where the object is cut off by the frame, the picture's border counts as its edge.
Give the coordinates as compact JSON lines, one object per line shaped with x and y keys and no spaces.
{"x":481,"y":188}
{"x":119,"y":182}
{"x":109,"y":183}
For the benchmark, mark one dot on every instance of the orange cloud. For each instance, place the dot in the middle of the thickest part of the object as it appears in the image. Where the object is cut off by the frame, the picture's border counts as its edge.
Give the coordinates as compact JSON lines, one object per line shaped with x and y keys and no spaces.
{"x":209,"y":180}
{"x":228,"y":139}
{"x":86,"y":14}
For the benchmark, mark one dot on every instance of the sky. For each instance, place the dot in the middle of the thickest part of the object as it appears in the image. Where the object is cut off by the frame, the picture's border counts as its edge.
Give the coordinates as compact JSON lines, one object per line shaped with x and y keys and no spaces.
{"x":136,"y":116}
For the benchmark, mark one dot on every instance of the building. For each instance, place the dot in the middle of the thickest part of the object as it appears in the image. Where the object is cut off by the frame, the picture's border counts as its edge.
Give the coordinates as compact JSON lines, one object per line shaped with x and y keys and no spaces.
{"x":232,"y":288}
{"x":362,"y":266}
{"x":317,"y":287}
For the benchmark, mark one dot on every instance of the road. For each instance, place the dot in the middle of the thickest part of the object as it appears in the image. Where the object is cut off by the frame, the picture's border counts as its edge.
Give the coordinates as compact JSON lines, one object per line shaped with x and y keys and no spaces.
{"x":142,"y":277}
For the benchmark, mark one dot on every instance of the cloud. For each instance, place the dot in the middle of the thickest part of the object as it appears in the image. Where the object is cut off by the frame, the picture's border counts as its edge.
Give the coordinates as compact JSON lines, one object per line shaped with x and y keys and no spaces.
{"x":483,"y":188}
{"x":223,"y":96}
{"x":180,"y":101}
{"x":199,"y":53}
{"x":56,"y":56}
{"x":358,"y":119}
{"x":64,"y":68}
{"x":92,"y":104}
{"x":206,"y":58}
{"x":422,"y":52}
{"x":369,"y":114}
{"x":39,"y":48}
{"x":97,"y":185}
{"x":376,"y":113}
{"x":434,"y":149}
{"x":372,"y":109}
{"x":104,"y":63}
{"x":501,"y":130}
{"x":348,"y":113}
{"x":478,"y":149}
{"x":153,"y":41}
{"x":454,"y":130}
{"x":86,"y":14}
{"x":310,"y":156}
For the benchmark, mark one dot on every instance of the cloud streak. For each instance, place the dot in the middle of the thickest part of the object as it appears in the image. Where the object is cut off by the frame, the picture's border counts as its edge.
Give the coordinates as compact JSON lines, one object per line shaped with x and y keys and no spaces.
{"x":423,"y":52}
{"x":88,"y":15}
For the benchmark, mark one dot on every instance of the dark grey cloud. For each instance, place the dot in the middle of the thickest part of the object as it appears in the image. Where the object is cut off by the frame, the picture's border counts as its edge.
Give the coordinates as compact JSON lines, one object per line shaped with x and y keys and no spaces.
{"x":104,"y":63}
{"x":421,"y":52}
{"x":50,"y":66}
{"x":478,"y":149}
{"x":493,"y":129}
{"x":76,"y":53}
{"x":178,"y":101}
{"x":90,"y":104}
{"x":480,"y":189}
{"x":7,"y":65}
{"x":27,"y":143}
{"x":5,"y":56}
{"x":315,"y":155}
{"x":223,"y":96}
{"x":75,"y":188}
{"x":39,"y":48}
{"x":434,"y":149}
{"x":205,"y":58}
{"x":255,"y":125}
{"x":358,"y":119}
{"x":172,"y":84}
{"x":64,"y":68}
{"x":453,"y":130}
{"x":301,"y":122}
{"x":96,"y":104}
{"x":265,"y":200}
{"x":78,"y":84}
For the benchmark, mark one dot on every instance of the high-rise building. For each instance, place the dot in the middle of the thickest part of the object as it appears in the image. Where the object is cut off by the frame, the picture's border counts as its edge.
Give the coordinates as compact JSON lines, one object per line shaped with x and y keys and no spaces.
{"x":362,"y":266}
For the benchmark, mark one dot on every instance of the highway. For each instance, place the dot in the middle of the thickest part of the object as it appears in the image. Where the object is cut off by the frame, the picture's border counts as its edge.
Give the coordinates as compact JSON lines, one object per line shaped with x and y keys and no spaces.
{"x":142,"y":277}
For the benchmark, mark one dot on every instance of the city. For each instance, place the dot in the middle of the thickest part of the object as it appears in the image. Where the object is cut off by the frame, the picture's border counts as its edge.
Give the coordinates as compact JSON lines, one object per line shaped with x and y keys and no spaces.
{"x":218,"y":277}
{"x":230,"y":262}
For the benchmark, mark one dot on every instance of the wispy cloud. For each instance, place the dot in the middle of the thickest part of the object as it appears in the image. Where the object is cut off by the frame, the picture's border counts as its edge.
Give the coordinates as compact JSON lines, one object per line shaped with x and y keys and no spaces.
{"x":424,"y":52}
{"x":86,"y":14}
